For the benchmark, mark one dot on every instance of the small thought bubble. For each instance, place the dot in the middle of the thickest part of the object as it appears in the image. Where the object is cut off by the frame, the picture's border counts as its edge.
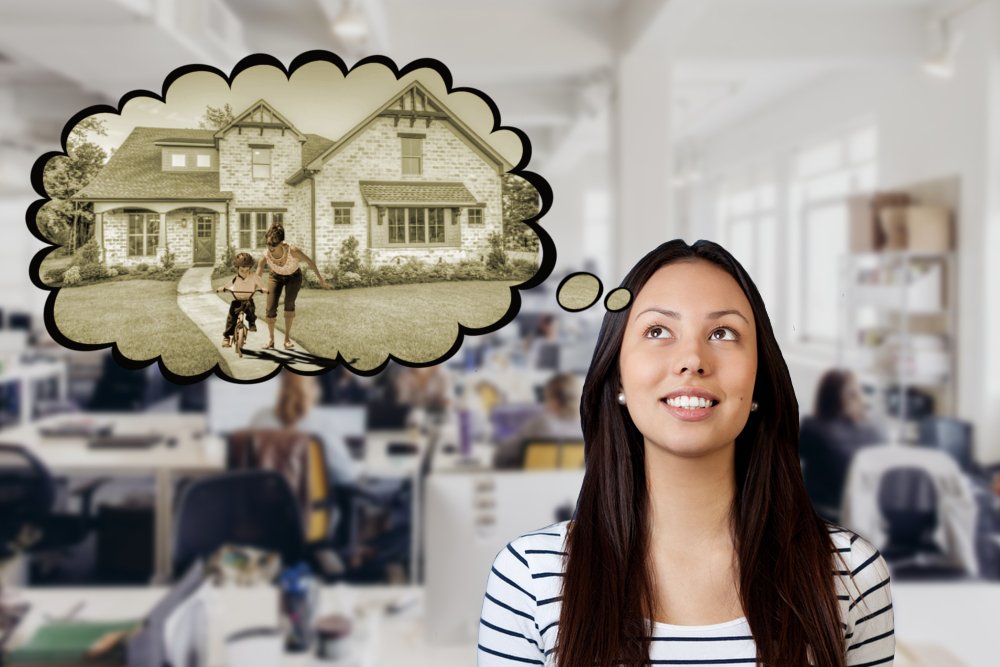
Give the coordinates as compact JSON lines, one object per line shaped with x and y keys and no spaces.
{"x":618,"y":299}
{"x":579,"y":291}
{"x":388,"y":186}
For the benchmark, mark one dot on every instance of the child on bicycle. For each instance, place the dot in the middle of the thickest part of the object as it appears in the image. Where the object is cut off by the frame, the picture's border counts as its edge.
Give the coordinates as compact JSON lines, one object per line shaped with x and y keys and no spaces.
{"x":243,"y":285}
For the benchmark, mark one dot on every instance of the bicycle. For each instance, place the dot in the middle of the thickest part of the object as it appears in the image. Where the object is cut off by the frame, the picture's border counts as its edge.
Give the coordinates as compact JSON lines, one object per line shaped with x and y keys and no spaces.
{"x":241,"y":330}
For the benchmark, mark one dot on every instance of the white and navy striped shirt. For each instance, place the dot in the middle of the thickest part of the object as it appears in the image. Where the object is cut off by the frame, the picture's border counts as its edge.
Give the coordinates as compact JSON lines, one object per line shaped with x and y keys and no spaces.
{"x":520,"y":615}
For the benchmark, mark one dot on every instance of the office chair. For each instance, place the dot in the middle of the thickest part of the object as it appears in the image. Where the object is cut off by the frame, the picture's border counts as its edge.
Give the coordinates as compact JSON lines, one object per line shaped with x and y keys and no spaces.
{"x":253,"y":508}
{"x":908,"y":502}
{"x":952,"y":436}
{"x":552,"y":454}
{"x":27,"y":506}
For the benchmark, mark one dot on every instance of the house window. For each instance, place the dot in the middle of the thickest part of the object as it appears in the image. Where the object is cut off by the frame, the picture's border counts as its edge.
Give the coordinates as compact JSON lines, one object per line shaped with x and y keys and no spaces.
{"x":413,"y":152}
{"x":261,"y":163}
{"x":341,"y":215}
{"x":416,"y":226}
{"x":254,"y":225}
{"x":143,"y":234}
{"x":475,"y":216}
{"x":178,"y":160}
{"x":204,"y":161}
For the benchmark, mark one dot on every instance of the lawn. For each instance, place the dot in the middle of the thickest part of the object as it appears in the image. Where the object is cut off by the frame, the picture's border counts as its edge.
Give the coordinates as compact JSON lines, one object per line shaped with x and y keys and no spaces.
{"x":142,"y":316}
{"x":413,"y":322}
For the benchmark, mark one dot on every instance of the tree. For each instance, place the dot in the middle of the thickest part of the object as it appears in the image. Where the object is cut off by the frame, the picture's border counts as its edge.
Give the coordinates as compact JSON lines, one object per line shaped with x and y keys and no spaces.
{"x":520,"y":202}
{"x":63,"y":219}
{"x":216,"y":118}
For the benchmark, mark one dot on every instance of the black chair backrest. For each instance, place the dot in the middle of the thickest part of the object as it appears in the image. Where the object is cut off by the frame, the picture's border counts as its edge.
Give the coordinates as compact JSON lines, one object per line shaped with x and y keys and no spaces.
{"x":907,"y":501}
{"x":254,"y":508}
{"x":27,"y":493}
{"x":951,"y":436}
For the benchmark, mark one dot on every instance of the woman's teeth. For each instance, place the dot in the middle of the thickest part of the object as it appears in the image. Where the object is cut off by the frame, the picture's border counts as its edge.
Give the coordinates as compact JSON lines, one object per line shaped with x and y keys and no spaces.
{"x":690,"y":402}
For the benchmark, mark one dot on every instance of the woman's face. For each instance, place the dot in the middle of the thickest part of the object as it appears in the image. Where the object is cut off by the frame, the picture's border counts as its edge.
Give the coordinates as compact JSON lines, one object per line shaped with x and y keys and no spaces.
{"x":690,"y":333}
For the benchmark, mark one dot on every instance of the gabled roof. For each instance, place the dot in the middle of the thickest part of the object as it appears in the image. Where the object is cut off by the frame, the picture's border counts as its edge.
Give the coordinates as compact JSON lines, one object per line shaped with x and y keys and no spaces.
{"x":387,"y":193}
{"x":135,"y":171}
{"x":314,"y":147}
{"x":435,"y":110}
{"x":260,"y":115}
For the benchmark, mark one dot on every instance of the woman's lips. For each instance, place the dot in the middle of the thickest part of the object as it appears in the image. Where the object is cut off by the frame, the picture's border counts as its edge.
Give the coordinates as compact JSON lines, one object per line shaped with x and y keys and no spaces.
{"x":688,"y":414}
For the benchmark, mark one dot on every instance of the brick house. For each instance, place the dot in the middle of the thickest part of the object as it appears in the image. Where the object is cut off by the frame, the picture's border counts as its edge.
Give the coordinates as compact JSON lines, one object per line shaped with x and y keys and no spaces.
{"x":410,"y":180}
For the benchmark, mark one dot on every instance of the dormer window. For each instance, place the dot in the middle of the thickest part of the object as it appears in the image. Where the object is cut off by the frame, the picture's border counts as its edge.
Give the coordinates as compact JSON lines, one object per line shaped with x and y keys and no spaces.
{"x":261,"y":162}
{"x":178,"y":160}
{"x":204,"y":161}
{"x":413,"y":154}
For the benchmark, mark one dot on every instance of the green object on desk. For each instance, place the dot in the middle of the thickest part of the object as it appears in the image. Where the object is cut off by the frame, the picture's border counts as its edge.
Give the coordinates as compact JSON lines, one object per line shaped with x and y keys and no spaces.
{"x":67,"y":642}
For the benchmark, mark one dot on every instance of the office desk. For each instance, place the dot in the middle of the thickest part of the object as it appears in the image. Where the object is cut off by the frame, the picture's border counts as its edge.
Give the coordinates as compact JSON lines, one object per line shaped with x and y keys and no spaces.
{"x":959,"y":618}
{"x":193,"y":453}
{"x":391,"y":640}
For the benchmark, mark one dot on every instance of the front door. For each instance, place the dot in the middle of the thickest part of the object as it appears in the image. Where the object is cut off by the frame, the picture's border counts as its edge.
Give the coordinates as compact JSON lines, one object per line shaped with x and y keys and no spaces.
{"x":204,"y":239}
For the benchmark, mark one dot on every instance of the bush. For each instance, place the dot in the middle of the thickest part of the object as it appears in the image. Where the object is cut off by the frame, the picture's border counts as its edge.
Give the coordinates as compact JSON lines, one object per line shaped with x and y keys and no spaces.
{"x":497,"y":258}
{"x":72,"y":276}
{"x":226,"y":264}
{"x":349,"y":279}
{"x":112,"y":272}
{"x":121,"y":269}
{"x":141,"y":267}
{"x":90,"y":272}
{"x":167,"y":260}
{"x":55,"y":275}
{"x":88,"y":253}
{"x":348,"y":261}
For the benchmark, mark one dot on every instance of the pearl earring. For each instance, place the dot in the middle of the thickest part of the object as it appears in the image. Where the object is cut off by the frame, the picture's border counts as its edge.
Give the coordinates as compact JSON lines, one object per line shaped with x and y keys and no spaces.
{"x":621,"y":398}
{"x":753,"y":406}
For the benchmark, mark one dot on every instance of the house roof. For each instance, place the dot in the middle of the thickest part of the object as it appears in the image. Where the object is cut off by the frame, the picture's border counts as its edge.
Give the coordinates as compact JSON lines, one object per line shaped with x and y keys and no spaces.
{"x":314,"y":147}
{"x":410,"y":192}
{"x":488,"y":153}
{"x":135,"y":171}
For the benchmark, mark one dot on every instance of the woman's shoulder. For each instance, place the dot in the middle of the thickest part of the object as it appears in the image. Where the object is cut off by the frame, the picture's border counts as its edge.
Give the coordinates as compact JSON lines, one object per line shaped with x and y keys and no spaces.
{"x":538,"y":550}
{"x":857,"y":562}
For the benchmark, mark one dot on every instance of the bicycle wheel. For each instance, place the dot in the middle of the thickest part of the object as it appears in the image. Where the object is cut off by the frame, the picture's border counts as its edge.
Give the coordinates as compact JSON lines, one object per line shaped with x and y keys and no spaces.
{"x":240,"y":337}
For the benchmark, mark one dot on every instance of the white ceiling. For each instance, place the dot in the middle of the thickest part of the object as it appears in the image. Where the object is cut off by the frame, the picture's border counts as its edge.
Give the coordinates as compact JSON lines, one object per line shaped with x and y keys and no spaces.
{"x":546,"y":63}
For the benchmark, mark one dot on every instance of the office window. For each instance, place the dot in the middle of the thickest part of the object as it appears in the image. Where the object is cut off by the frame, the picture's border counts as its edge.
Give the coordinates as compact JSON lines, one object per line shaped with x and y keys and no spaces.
{"x":416,"y":226}
{"x":143,"y":234}
{"x":825,"y":176}
{"x":261,"y":163}
{"x":475,"y":216}
{"x":341,"y":215}
{"x":749,"y":227}
{"x":204,"y":161}
{"x":413,"y":151}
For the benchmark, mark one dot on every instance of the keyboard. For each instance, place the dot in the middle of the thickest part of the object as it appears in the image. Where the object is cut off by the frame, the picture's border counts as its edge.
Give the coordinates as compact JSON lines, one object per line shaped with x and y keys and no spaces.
{"x":124,"y":441}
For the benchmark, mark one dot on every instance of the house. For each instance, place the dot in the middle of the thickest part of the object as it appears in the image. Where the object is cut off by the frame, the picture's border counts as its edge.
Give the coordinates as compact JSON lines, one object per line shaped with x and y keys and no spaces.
{"x":410,"y":180}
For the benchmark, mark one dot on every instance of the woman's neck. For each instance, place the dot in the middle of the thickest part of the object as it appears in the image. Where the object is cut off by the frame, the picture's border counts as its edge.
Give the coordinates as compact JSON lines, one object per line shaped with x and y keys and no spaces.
{"x":690,"y":498}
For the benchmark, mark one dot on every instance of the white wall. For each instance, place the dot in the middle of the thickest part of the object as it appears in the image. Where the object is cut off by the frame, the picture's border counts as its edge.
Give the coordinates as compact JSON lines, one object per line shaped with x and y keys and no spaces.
{"x":927,"y":128}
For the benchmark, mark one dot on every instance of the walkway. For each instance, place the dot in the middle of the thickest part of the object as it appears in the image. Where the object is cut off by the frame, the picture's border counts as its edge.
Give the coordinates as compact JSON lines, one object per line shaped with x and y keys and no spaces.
{"x":196,"y":298}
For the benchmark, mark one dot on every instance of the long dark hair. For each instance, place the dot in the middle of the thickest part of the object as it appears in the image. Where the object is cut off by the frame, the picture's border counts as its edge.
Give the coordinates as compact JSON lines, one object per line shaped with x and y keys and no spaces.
{"x":784,"y":549}
{"x":830,"y":394}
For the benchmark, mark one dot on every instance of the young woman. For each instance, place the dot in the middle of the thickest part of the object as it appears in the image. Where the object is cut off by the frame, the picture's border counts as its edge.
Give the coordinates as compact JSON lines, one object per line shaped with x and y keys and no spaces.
{"x":693,"y":540}
{"x":283,"y":260}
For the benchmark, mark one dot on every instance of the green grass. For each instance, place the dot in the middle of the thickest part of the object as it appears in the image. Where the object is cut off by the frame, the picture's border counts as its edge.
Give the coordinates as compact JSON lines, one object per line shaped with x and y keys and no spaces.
{"x":142,"y":316}
{"x":417,"y":323}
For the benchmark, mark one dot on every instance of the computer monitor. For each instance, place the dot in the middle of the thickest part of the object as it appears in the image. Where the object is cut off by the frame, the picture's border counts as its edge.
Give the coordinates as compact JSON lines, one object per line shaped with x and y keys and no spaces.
{"x":470,"y":517}
{"x":231,"y":406}
{"x":951,"y":436}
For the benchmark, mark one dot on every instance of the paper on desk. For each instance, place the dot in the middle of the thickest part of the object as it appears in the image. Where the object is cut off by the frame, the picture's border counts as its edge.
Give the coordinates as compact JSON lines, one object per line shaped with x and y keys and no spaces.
{"x":185,"y":631}
{"x":925,"y":655}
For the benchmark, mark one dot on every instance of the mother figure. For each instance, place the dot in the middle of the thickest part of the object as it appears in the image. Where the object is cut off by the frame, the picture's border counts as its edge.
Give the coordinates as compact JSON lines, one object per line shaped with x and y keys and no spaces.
{"x":283,"y":260}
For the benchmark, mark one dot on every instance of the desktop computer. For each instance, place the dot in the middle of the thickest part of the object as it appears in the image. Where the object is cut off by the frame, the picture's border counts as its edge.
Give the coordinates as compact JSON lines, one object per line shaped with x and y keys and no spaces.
{"x":469,"y":518}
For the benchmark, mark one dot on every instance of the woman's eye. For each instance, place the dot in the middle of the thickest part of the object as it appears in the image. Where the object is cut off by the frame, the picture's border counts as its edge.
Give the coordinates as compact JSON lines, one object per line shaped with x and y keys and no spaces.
{"x":657,"y":331}
{"x":724,"y":333}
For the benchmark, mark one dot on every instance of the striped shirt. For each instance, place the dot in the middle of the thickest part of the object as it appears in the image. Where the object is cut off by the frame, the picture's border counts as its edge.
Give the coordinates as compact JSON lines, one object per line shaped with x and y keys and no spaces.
{"x":520,"y":614}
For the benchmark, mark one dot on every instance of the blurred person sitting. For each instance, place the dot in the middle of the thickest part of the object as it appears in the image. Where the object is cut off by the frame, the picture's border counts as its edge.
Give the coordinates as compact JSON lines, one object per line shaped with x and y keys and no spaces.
{"x":428,"y":388}
{"x":560,"y":419}
{"x":297,"y":396}
{"x":829,"y":439}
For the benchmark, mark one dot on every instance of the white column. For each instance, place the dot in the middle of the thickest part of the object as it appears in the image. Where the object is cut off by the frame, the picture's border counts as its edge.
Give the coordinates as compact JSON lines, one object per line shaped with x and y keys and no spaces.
{"x":642,"y":159}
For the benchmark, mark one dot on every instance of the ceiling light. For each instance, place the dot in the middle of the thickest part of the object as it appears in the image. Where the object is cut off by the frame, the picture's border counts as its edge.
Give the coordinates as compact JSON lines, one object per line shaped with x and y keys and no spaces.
{"x":942,"y":63}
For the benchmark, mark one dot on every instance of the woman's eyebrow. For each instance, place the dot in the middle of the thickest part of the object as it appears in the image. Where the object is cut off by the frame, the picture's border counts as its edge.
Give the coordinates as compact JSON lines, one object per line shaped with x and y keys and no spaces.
{"x":673,"y":314}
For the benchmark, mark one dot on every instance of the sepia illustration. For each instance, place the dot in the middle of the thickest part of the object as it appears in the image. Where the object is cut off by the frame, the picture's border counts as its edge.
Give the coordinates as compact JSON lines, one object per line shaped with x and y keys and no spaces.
{"x":375,"y":217}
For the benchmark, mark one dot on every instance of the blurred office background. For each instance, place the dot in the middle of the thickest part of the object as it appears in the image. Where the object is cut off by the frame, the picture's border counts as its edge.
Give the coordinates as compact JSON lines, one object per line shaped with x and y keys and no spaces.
{"x":847,"y":152}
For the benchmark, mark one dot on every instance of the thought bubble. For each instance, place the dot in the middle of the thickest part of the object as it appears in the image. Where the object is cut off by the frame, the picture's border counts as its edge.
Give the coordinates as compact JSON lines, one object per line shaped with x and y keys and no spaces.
{"x":391,"y":183}
{"x":618,"y":299}
{"x":579,"y":291}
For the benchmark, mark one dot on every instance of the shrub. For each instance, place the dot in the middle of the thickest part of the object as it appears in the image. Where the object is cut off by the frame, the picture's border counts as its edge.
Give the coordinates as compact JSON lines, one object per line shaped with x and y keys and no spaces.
{"x":90,"y":272}
{"x":121,"y":269}
{"x":112,"y":272}
{"x":349,"y":279}
{"x":167,"y":260}
{"x":88,"y":253}
{"x":54,"y":275}
{"x":141,"y":267}
{"x":72,"y":276}
{"x":348,"y":259}
{"x":496,"y":260}
{"x":226,"y":263}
